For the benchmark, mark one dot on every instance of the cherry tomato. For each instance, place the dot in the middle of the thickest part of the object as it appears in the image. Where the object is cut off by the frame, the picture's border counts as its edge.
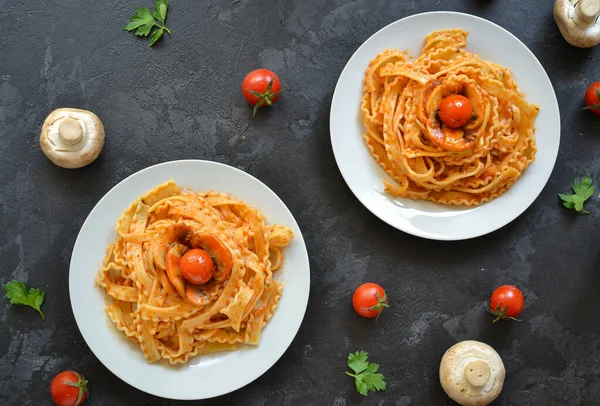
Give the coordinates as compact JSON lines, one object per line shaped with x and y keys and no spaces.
{"x":455,"y":111}
{"x":197,"y":266}
{"x":369,"y":300}
{"x":592,"y":98}
{"x":261,"y":87}
{"x":68,"y":388}
{"x":507,"y":302}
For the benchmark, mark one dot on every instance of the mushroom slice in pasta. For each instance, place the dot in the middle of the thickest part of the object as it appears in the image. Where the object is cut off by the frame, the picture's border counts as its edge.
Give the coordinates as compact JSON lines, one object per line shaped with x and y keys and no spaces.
{"x":173,"y":271}
{"x":172,"y":234}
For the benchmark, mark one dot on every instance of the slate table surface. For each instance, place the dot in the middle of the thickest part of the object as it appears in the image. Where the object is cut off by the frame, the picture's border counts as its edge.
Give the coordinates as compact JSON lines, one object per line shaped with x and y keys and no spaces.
{"x":181,"y":100}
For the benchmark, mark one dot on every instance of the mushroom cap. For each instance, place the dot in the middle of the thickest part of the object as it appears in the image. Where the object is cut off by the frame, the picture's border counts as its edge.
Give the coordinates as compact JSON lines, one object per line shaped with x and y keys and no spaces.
{"x":72,"y":138}
{"x":578,"y":22}
{"x":472,"y":373}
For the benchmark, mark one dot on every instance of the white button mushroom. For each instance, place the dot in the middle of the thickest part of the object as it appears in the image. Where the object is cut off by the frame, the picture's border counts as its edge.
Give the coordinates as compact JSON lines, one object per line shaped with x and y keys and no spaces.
{"x":72,"y":138}
{"x":579,"y":21}
{"x":472,"y":373}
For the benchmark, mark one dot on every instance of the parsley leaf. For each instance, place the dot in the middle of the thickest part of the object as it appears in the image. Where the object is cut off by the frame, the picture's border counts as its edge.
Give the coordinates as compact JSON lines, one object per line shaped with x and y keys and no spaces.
{"x":583,"y":191}
{"x":161,"y":10}
{"x":365,"y":373}
{"x":17,"y":293}
{"x":144,"y":21}
{"x":156,"y":36}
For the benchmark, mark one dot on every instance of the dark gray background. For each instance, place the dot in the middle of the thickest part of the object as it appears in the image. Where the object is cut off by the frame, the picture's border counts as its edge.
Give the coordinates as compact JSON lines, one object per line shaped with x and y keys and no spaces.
{"x":181,"y":99}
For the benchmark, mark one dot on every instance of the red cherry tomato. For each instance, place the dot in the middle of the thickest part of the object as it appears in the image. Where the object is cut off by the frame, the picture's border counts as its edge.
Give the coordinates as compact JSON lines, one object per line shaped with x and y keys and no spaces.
{"x":455,"y":111}
{"x":68,"y":388}
{"x":197,"y":266}
{"x":592,"y":98}
{"x":507,"y":302}
{"x":369,"y":300}
{"x":261,"y":88}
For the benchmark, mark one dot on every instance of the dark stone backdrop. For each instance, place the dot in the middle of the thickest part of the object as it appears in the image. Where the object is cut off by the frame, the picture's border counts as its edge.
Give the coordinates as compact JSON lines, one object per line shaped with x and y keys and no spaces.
{"x":181,"y":99}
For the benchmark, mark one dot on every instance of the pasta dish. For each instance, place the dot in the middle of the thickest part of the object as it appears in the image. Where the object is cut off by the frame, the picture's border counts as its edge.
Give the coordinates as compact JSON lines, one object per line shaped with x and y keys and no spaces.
{"x":192,"y":273}
{"x":447,"y":126}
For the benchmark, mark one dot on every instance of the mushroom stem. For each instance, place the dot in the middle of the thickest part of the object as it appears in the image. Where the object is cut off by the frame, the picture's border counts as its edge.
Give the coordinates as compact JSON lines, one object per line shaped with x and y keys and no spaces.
{"x":70,"y":131}
{"x":587,"y":11}
{"x":477,"y":373}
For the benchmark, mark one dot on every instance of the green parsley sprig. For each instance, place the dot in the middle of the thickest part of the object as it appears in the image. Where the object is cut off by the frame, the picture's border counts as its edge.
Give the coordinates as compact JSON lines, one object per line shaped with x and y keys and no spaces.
{"x":18,"y":294}
{"x":365,"y":373}
{"x":583,"y":191}
{"x":143,"y":21}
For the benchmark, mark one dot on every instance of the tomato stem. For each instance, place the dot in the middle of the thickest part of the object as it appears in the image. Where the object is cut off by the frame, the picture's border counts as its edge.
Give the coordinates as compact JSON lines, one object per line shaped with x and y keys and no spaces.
{"x":500,"y":313}
{"x":81,"y":384}
{"x":265,"y":98}
{"x":594,"y":106}
{"x":381,"y":304}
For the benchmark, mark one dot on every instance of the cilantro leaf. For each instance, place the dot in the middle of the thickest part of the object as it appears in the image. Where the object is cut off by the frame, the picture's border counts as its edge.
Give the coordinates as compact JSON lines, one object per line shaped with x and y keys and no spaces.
{"x":365,"y":377}
{"x":583,"y":189}
{"x":18,"y":294}
{"x":144,"y":21}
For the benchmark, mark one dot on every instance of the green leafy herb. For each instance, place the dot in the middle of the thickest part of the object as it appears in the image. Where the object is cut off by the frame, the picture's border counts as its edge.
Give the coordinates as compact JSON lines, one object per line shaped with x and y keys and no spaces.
{"x":144,"y":21}
{"x":583,"y":190}
{"x":17,"y":293}
{"x":365,"y":373}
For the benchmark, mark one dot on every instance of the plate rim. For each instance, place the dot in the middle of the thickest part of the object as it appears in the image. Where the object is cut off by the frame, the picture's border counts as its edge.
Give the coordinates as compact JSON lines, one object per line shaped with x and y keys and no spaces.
{"x":252,"y":377}
{"x":384,"y":218}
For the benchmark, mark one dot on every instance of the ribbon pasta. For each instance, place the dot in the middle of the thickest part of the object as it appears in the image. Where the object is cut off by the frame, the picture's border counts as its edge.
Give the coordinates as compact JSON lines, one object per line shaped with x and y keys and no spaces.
{"x":170,"y":318}
{"x":426,"y":160}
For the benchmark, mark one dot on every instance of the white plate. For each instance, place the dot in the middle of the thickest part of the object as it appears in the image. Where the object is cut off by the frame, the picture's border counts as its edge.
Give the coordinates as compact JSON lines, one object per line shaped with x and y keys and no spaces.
{"x":204,"y":376}
{"x":423,"y":218}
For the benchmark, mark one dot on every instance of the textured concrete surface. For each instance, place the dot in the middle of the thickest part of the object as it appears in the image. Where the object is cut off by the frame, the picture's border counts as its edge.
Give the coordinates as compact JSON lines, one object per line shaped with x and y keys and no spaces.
{"x":182,"y":100}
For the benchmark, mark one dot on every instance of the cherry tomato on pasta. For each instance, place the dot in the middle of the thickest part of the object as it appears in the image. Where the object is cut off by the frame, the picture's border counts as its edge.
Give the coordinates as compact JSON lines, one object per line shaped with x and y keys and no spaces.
{"x":369,"y":300}
{"x":592,"y":98}
{"x":68,"y":388}
{"x":197,"y":266}
{"x":507,"y":302}
{"x":261,"y":87}
{"x":455,"y":111}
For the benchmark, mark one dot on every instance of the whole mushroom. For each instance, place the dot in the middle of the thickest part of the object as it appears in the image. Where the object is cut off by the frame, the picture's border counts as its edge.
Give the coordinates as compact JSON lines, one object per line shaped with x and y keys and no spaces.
{"x":72,"y":138}
{"x":472,"y":373}
{"x":579,"y":21}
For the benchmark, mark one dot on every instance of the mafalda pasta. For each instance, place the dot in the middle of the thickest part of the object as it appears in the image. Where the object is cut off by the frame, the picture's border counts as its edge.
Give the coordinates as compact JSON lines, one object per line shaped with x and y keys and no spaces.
{"x":427,"y":160}
{"x":152,"y":305}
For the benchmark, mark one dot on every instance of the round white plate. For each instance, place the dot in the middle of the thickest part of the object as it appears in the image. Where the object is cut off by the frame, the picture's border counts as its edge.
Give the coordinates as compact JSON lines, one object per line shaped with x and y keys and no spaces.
{"x":423,"y":218}
{"x":203,"y":376}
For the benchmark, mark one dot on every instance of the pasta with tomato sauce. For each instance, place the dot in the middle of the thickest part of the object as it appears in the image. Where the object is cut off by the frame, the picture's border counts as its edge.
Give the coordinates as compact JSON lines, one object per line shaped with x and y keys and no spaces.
{"x":428,"y":157}
{"x":154,"y":305}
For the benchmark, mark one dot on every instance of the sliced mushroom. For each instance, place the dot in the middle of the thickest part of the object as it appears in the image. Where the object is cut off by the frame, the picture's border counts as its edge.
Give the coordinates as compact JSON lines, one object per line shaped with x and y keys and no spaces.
{"x":72,"y":138}
{"x":579,"y":21}
{"x":472,"y":373}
